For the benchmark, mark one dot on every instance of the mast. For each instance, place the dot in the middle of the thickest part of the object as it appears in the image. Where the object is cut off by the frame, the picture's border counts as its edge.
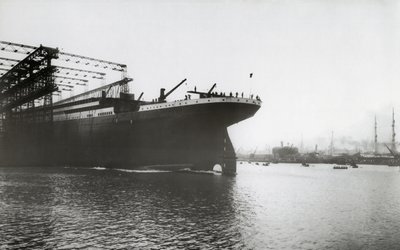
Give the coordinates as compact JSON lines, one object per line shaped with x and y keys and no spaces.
{"x":393,"y":133}
{"x":376,"y":138}
{"x":331,"y":146}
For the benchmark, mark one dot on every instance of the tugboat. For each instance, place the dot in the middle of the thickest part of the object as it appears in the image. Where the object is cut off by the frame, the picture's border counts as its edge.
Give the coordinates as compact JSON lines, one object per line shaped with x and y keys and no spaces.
{"x":353,"y":165}
{"x":393,"y":164}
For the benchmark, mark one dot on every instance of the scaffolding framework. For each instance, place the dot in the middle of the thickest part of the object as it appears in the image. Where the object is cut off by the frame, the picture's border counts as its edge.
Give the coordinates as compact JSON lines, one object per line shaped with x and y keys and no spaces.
{"x":27,"y":86}
{"x":28,"y":80}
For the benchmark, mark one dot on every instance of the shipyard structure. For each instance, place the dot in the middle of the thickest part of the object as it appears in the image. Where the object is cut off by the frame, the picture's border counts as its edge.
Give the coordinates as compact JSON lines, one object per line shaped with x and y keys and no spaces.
{"x":107,"y":126}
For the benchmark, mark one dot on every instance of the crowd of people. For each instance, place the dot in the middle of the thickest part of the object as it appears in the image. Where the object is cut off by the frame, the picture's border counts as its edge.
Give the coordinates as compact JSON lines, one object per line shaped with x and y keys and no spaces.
{"x":216,"y":94}
{"x":222,"y":94}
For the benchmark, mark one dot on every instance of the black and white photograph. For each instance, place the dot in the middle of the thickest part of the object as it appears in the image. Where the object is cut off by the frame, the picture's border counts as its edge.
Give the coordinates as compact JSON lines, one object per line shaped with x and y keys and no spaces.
{"x":200,"y":124}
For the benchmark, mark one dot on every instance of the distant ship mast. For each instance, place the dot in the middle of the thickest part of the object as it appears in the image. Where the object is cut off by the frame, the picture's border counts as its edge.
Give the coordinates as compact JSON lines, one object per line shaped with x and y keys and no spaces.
{"x":331,"y":146}
{"x":376,"y":138}
{"x":393,"y":133}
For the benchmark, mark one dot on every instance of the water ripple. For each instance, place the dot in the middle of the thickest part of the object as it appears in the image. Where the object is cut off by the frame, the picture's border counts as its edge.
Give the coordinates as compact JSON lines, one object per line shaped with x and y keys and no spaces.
{"x":276,"y":207}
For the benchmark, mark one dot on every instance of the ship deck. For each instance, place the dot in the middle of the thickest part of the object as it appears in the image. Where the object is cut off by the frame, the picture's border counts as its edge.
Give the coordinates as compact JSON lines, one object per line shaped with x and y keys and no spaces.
{"x":178,"y":103}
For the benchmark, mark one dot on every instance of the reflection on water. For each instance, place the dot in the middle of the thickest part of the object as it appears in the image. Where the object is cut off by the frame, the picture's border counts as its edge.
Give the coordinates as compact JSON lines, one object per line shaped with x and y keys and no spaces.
{"x":278,"y":207}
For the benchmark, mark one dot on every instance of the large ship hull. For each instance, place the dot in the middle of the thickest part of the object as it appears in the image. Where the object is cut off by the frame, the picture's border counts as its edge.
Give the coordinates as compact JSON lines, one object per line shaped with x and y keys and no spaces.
{"x":176,"y":136}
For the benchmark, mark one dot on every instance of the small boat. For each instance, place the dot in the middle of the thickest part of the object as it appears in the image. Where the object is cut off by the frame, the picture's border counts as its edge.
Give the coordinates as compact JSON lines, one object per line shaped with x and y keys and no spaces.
{"x":353,"y":165}
{"x":393,"y":164}
{"x":265,"y":164}
{"x":304,"y":164}
{"x":257,"y":163}
{"x":340,"y":167}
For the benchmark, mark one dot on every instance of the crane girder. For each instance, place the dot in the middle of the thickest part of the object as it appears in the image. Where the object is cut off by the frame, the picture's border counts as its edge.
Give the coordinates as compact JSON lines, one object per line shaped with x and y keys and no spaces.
{"x":80,"y":72}
{"x":64,"y":56}
{"x":16,"y":47}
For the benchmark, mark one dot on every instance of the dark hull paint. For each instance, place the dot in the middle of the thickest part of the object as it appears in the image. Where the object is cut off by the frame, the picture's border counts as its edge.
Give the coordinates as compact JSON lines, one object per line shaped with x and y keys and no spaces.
{"x":192,"y":136}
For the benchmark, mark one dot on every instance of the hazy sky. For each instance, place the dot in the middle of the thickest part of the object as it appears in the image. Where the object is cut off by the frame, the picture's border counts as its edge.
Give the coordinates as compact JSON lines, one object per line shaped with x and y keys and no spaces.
{"x":319,"y":66}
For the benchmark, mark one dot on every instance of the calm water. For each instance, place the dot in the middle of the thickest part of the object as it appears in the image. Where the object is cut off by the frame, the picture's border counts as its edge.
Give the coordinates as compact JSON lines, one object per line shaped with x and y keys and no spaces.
{"x":277,"y":207}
